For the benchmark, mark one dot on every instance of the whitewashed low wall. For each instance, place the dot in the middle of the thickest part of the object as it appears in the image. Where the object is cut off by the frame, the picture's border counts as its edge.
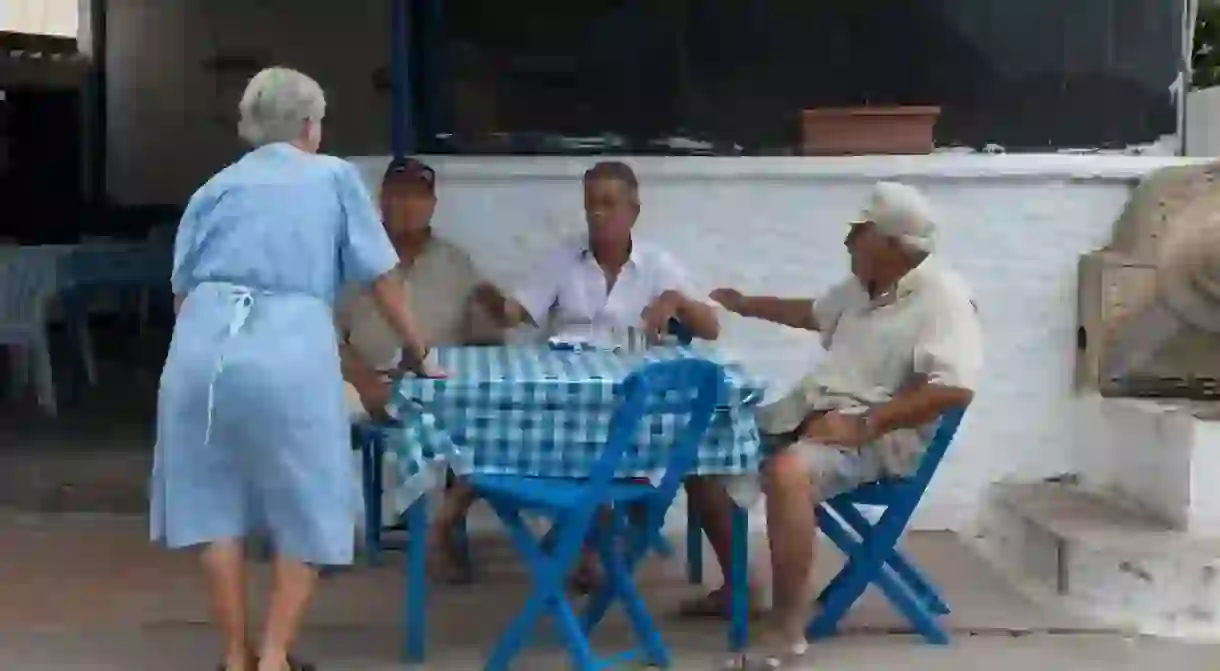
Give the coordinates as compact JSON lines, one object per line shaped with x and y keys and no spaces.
{"x":1014,"y":226}
{"x":1203,"y":122}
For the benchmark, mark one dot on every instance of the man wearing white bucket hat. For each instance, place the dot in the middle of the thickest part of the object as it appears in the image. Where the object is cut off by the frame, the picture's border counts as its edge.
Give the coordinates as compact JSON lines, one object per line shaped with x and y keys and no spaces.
{"x":903,"y":344}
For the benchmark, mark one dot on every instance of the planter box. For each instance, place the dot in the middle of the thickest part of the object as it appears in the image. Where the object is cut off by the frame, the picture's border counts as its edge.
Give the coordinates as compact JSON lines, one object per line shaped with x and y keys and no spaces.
{"x":868,"y":130}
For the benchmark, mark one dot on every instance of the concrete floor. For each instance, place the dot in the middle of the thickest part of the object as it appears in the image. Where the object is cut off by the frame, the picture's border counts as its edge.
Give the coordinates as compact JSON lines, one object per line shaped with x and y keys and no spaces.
{"x":88,"y":592}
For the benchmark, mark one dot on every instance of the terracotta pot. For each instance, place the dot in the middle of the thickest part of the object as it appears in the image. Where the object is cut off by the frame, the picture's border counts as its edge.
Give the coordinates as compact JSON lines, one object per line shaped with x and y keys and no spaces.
{"x":868,"y":130}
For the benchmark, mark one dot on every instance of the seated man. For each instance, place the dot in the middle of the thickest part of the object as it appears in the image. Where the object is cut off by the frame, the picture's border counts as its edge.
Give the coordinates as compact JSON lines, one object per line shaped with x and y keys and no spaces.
{"x":606,"y":283}
{"x":441,"y":279}
{"x":904,"y":346}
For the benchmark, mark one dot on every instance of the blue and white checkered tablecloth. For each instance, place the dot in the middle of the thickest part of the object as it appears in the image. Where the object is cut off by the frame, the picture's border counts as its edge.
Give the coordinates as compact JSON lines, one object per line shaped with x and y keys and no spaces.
{"x":540,"y":412}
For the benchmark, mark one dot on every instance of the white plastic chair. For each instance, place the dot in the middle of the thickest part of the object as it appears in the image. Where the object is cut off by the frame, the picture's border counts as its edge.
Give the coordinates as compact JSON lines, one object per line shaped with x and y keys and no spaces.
{"x":25,"y":283}
{"x":162,"y":237}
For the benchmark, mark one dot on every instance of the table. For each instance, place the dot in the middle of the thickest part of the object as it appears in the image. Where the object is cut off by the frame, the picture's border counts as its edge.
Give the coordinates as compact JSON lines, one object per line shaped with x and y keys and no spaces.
{"x":531,"y":410}
{"x":539,"y":412}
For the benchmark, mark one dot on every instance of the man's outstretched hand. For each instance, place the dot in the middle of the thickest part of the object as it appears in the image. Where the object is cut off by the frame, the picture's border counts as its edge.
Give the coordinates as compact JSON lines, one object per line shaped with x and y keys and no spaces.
{"x":731,"y":299}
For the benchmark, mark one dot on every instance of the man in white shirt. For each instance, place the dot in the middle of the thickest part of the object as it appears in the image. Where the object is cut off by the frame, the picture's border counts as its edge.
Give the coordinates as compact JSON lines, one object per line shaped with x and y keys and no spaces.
{"x":594,"y":289}
{"x":904,"y":345}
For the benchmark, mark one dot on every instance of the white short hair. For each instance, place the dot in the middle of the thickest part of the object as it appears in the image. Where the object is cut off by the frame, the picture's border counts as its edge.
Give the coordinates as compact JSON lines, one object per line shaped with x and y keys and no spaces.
{"x":276,"y":105}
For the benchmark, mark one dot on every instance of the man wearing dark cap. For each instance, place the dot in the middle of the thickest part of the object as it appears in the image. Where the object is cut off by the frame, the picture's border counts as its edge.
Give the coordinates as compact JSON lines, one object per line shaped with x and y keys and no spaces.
{"x":441,"y":279}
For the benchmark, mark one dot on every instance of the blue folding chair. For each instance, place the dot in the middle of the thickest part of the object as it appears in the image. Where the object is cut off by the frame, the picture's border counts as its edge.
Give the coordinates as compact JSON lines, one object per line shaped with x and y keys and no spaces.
{"x":875,"y":558}
{"x":689,"y":387}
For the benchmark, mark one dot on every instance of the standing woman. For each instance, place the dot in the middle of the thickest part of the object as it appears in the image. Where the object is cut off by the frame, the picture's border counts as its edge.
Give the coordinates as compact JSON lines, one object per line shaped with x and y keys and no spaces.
{"x":252,"y":435}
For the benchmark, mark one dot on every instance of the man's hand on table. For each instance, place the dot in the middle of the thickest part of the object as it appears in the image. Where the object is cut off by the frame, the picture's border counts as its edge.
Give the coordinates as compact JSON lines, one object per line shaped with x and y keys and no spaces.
{"x":839,"y":429}
{"x":656,"y":316}
{"x":430,"y":370}
{"x":424,"y":366}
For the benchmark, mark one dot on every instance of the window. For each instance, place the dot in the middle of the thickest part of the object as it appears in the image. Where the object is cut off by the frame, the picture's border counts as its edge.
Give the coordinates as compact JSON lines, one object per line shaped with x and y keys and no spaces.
{"x":725,"y":77}
{"x":57,"y":18}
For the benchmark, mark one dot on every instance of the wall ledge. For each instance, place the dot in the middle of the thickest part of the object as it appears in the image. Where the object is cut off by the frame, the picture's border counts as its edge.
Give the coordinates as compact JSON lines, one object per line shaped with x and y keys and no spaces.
{"x":934,"y":167}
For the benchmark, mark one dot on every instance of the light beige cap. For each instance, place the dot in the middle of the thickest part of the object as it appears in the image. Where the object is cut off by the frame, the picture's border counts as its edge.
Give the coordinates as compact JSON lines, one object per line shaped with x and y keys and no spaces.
{"x":902,"y":212}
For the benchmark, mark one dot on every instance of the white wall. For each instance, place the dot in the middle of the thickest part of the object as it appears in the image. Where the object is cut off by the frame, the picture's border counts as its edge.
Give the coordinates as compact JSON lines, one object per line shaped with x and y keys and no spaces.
{"x":41,"y":17}
{"x":1203,"y":122}
{"x":1014,"y":225}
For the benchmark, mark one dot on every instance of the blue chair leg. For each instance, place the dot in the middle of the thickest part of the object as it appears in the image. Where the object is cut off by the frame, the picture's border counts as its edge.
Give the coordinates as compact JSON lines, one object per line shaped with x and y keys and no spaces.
{"x":631,"y":537}
{"x":372,"y":497}
{"x":694,"y":545}
{"x":414,"y":619}
{"x":738,"y":581}
{"x":618,"y":576}
{"x":662,"y":545}
{"x":547,"y":569}
{"x":911,"y":576}
{"x":867,"y":564}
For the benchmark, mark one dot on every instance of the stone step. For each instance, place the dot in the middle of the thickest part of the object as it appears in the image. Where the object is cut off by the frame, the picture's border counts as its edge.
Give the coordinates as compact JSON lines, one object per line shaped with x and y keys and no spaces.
{"x":1106,"y":560}
{"x":1162,"y":454}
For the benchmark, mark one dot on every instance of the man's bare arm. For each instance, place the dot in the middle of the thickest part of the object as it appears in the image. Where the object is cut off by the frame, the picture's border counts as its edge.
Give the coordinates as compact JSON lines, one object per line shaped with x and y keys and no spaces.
{"x":390,"y":296}
{"x":506,"y":311}
{"x":795,"y":312}
{"x":918,"y":404}
{"x":479,"y":327}
{"x":699,"y":318}
{"x":355,"y":370}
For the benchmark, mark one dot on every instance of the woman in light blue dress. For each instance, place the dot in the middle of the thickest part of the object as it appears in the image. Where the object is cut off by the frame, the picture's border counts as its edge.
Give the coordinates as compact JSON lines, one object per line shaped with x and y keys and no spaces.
{"x":252,"y":434}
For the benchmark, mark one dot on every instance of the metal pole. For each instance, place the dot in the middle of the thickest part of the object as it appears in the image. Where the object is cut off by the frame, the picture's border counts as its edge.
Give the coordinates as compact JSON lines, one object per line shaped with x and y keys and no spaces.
{"x":431,"y":71}
{"x":95,"y":102}
{"x":401,"y":140}
{"x":1190,"y":11}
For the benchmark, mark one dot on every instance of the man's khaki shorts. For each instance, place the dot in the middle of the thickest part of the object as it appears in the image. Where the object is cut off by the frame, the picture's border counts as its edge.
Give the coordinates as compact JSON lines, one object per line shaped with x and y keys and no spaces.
{"x":836,"y":470}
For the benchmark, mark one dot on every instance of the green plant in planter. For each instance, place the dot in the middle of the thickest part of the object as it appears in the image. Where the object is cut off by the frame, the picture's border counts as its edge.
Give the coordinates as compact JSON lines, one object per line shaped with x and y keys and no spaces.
{"x":1205,"y":62}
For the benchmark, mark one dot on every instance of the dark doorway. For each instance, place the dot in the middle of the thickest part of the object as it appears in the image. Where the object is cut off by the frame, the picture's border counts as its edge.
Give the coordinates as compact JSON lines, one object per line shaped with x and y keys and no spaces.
{"x":42,"y":175}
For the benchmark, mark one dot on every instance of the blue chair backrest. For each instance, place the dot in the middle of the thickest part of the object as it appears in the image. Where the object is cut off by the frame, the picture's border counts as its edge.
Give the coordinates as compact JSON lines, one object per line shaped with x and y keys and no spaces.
{"x":131,"y":264}
{"x":932,"y":457}
{"x":682,"y":387}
